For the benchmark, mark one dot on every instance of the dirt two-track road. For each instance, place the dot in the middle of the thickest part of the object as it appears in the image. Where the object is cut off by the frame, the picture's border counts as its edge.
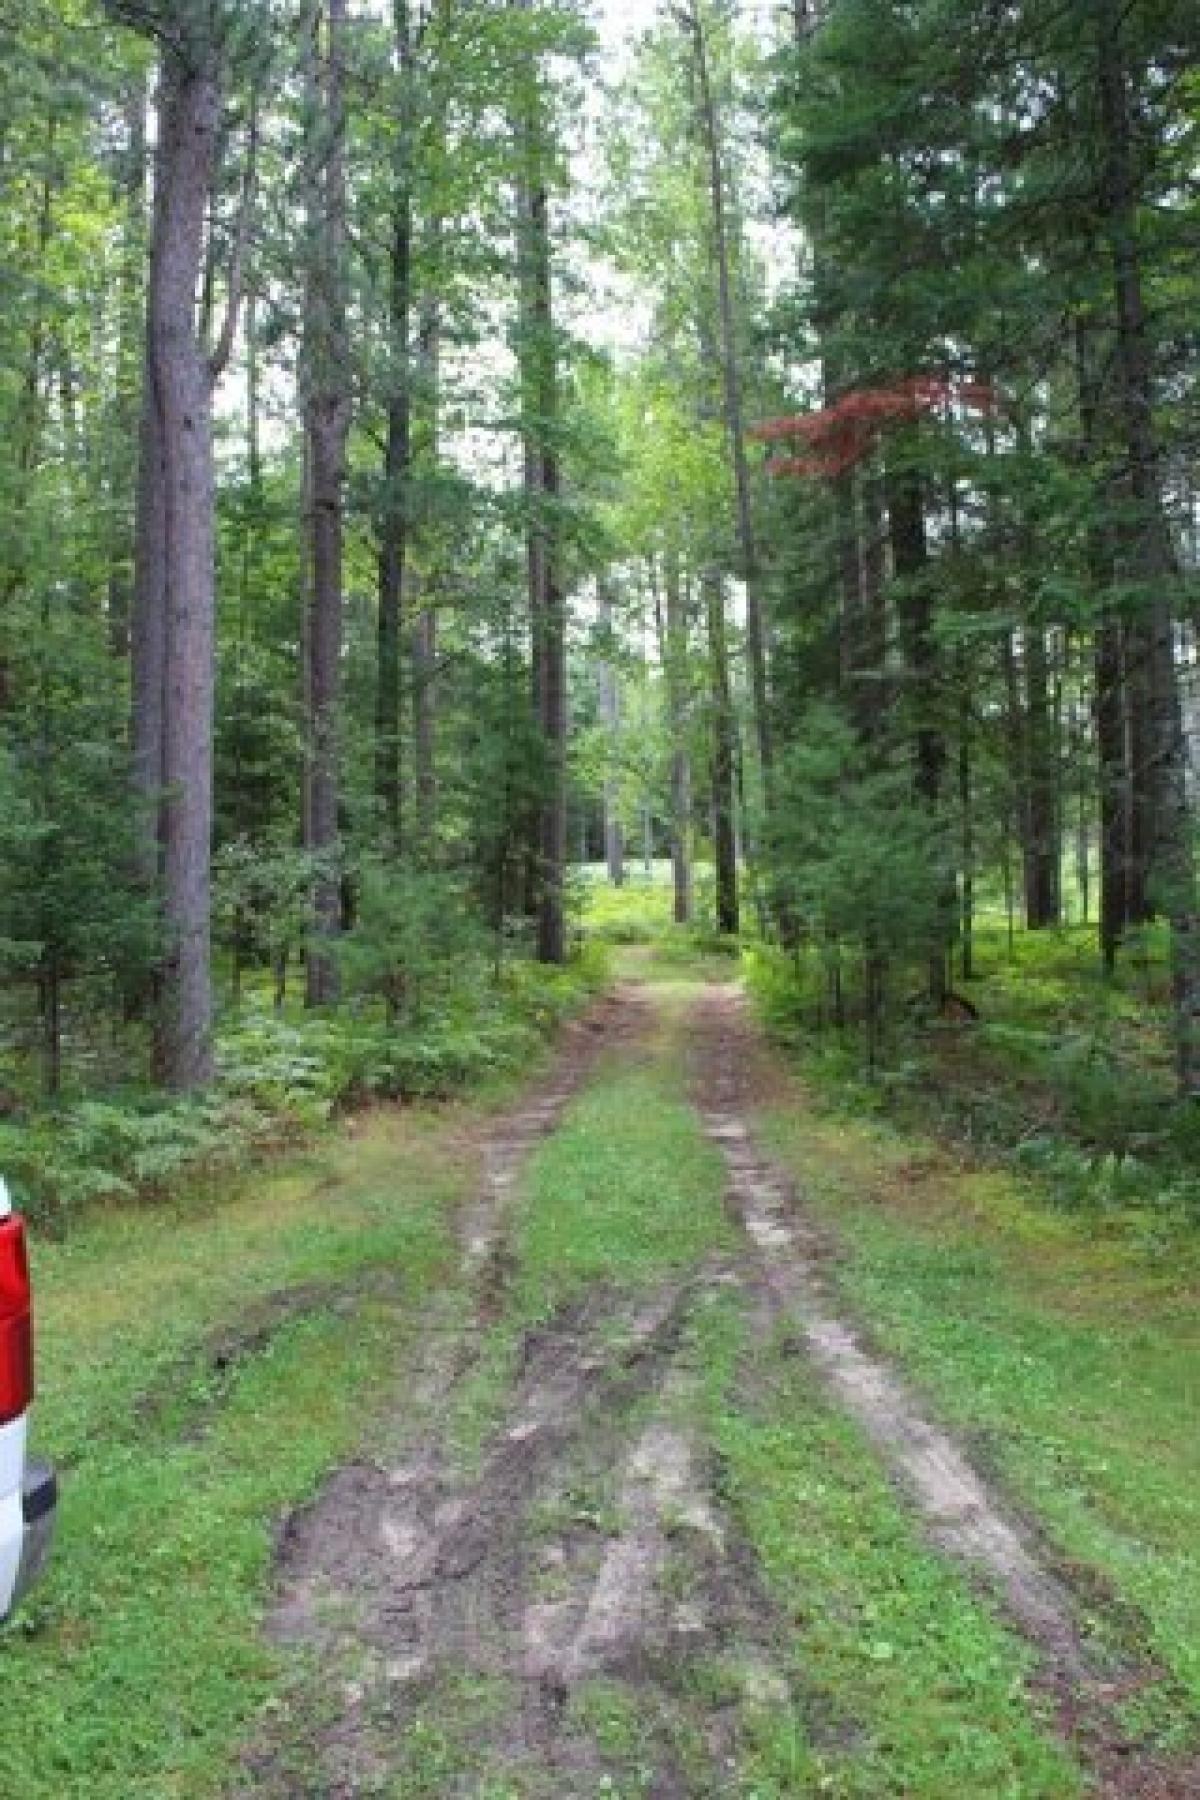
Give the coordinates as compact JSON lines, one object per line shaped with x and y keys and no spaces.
{"x":572,"y":1606}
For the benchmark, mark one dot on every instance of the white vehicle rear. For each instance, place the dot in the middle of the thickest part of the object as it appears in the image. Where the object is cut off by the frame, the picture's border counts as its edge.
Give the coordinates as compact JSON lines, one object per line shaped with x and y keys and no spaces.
{"x":28,"y":1491}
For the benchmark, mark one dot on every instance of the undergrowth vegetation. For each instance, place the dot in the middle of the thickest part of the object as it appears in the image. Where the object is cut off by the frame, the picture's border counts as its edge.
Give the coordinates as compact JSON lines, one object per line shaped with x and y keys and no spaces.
{"x":1040,"y":1060}
{"x":639,"y":913}
{"x":283,"y":1075}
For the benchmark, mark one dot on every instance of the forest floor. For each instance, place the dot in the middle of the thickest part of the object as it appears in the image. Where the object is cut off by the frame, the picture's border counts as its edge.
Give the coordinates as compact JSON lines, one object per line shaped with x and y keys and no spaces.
{"x":704,"y":1442}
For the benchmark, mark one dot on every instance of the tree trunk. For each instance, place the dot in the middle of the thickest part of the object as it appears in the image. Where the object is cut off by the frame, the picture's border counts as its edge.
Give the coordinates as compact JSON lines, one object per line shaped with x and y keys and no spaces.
{"x":1110,"y":745}
{"x":681,"y":769}
{"x":1140,"y":794}
{"x":1043,"y":855}
{"x":175,"y":577}
{"x":123,"y":449}
{"x":724,"y":757}
{"x":1151,"y":561}
{"x":539,"y":378}
{"x":853,"y":650}
{"x":327,"y":424}
{"x":910,"y":558}
{"x":1109,"y":701}
{"x":876,"y":698}
{"x":966,"y":803}
{"x":148,"y":641}
{"x":425,"y":623}
{"x":31,"y":410}
{"x":609,"y":695}
{"x":756,"y":644}
{"x":393,"y":523}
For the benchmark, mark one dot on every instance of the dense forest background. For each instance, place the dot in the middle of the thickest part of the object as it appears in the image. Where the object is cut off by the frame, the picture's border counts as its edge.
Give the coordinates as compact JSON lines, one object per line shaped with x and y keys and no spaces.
{"x":436,"y":459}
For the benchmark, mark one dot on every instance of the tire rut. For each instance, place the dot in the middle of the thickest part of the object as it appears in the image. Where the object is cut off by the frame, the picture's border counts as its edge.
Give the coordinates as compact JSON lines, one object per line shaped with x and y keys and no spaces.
{"x":340,"y":1553}
{"x":399,"y":1577}
{"x":591,"y":1554}
{"x":963,"y":1515}
{"x":405,"y":1576}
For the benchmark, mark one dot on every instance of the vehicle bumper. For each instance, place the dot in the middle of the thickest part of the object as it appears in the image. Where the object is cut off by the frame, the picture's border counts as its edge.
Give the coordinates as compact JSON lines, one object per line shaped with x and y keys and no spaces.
{"x":39,"y":1506}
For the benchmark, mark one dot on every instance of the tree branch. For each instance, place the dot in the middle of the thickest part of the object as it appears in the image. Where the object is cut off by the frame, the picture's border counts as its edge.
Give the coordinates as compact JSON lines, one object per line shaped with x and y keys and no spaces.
{"x":223,"y":349}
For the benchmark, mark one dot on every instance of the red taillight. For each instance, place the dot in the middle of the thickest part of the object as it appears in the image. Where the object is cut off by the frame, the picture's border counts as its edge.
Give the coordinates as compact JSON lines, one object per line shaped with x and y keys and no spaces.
{"x":16,"y":1324}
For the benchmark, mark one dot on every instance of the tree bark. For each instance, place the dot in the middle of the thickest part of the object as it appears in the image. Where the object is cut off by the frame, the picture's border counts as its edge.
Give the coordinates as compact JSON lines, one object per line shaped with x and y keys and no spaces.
{"x":327,"y":424}
{"x":681,"y":768}
{"x":1150,"y":560}
{"x":1108,"y":675}
{"x":539,"y":374}
{"x":1043,"y":852}
{"x":1110,"y":745}
{"x":123,"y":450}
{"x":910,"y":558}
{"x":1140,"y":786}
{"x":148,"y":639}
{"x":425,"y":621}
{"x":31,"y":411}
{"x":393,"y":523}
{"x":609,"y":695}
{"x":175,"y":578}
{"x":877,"y":698}
{"x":966,"y":803}
{"x":724,"y":756}
{"x":756,"y":637}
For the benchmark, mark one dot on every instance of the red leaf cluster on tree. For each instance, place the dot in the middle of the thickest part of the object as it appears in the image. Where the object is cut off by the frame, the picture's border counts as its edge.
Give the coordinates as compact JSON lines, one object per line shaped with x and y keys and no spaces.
{"x":839,"y":437}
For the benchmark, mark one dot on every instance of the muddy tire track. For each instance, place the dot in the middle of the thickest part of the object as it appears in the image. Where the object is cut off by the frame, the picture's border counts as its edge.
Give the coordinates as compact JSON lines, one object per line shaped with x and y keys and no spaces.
{"x":406,"y":1576}
{"x":401,"y":1578}
{"x":963,"y":1514}
{"x":398,"y":1578}
{"x":339,"y":1555}
{"x":590,"y":1553}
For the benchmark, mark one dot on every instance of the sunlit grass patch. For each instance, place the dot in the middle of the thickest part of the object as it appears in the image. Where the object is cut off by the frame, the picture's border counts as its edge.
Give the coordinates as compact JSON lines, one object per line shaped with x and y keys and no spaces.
{"x":627,"y":1191}
{"x":639,"y":912}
